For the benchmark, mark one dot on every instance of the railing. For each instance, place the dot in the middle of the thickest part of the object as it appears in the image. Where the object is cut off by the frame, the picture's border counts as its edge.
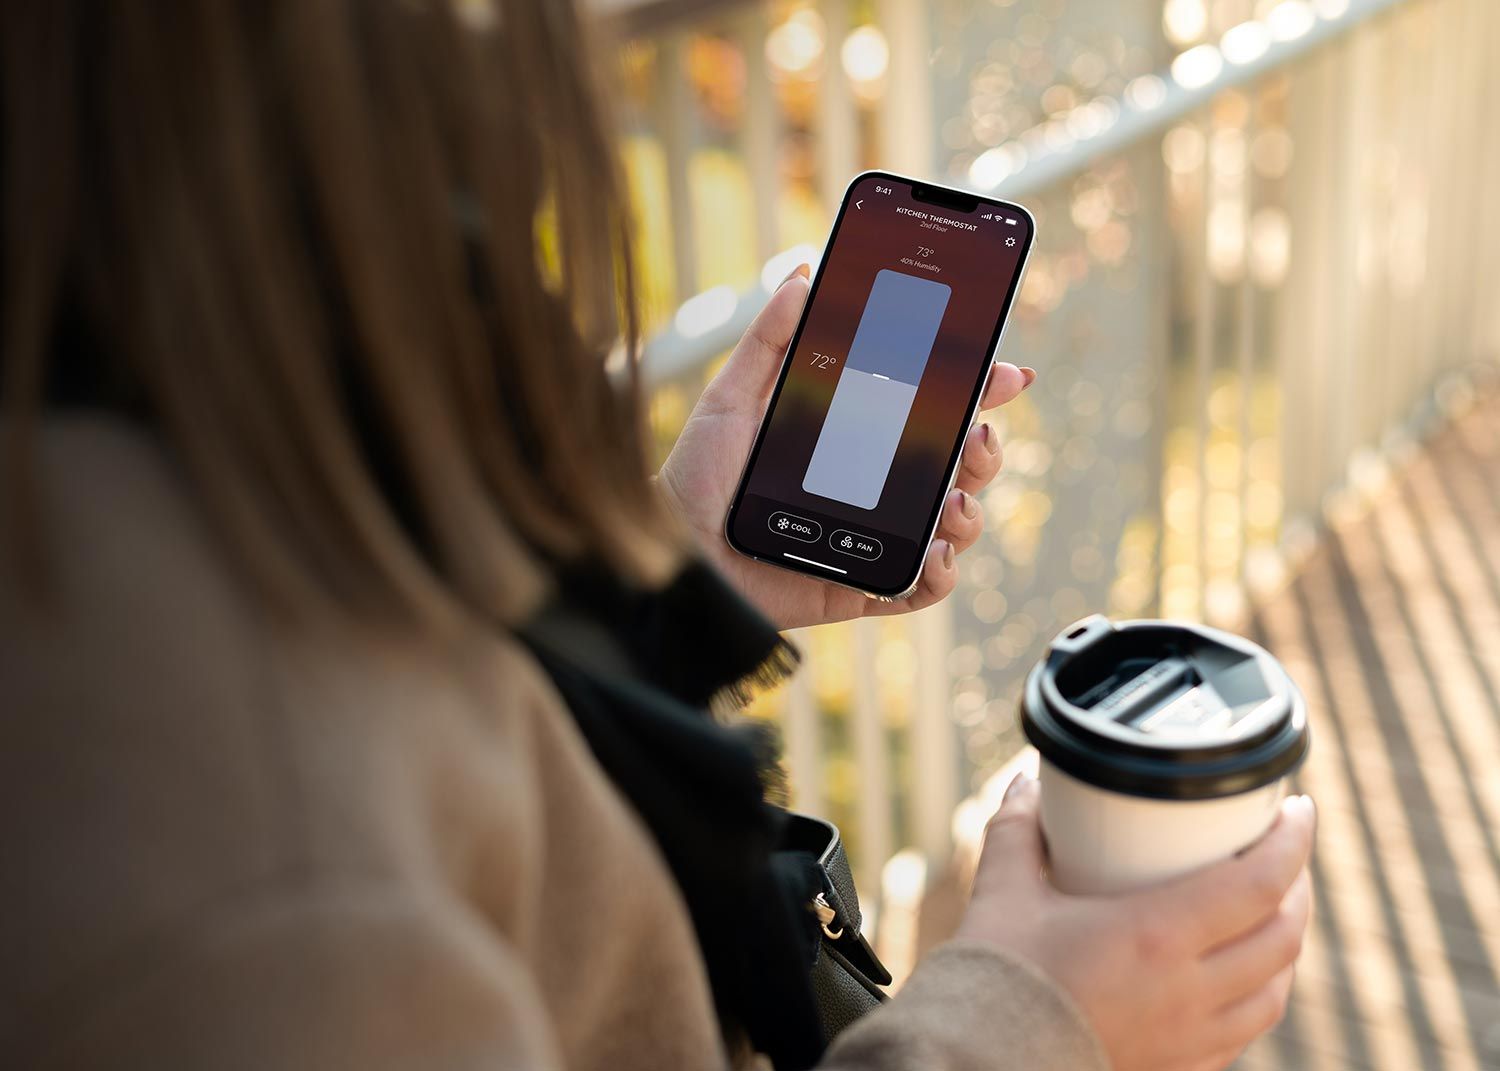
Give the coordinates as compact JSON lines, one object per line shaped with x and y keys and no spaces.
{"x":1261,"y":273}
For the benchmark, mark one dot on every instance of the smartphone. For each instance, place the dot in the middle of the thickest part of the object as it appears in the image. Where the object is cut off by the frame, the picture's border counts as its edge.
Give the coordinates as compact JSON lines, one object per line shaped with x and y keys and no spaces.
{"x":861,"y":442}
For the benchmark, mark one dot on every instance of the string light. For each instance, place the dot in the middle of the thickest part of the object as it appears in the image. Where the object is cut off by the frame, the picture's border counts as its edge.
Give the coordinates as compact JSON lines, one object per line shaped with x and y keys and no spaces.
{"x":1290,"y":19}
{"x":865,"y":55}
{"x":1184,"y":20}
{"x":702,"y":313}
{"x":1246,"y":42}
{"x":795,"y":48}
{"x":1197,"y":67}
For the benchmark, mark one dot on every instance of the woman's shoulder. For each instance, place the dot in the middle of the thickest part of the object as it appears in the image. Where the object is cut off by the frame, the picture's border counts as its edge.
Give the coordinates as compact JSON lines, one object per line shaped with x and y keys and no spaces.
{"x":166,"y":752}
{"x":145,"y":672}
{"x":137,"y":622}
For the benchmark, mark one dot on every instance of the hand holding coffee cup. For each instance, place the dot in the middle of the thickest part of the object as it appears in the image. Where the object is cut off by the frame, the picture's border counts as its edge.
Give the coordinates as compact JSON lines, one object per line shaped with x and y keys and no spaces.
{"x":1179,"y":976}
{"x":1174,"y":973}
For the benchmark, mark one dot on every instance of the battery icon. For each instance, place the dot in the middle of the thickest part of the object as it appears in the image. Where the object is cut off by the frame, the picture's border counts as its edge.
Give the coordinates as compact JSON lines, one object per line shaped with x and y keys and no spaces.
{"x":1011,"y":222}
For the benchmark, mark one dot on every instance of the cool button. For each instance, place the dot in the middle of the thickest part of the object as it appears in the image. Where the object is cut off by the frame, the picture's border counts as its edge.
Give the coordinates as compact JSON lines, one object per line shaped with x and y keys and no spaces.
{"x":794,"y":527}
{"x":861,"y":546}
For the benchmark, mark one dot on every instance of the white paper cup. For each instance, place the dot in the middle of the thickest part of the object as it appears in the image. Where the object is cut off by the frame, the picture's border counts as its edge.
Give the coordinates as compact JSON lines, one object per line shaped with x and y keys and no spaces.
{"x":1164,"y":747}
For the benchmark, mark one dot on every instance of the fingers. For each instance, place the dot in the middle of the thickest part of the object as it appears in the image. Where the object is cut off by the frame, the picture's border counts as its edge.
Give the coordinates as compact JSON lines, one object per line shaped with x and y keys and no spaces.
{"x":980,"y":460}
{"x":1221,"y":902}
{"x":939,"y":575}
{"x":1013,"y":853}
{"x":961,"y":521}
{"x":1220,"y":1061}
{"x":1005,"y":383}
{"x":1236,"y":970}
{"x":1250,"y":1017}
{"x":750,"y":373}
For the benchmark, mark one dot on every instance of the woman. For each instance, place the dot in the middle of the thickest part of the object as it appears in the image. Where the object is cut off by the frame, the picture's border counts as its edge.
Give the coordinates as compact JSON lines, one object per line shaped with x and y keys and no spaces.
{"x":354,"y":666}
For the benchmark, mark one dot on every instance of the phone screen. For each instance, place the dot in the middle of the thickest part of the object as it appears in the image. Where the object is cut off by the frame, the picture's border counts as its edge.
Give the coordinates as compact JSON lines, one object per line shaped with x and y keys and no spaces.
{"x":864,"y":430}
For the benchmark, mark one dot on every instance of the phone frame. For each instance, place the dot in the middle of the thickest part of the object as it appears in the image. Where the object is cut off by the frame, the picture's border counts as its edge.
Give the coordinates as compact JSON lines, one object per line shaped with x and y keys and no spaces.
{"x":956,"y":454}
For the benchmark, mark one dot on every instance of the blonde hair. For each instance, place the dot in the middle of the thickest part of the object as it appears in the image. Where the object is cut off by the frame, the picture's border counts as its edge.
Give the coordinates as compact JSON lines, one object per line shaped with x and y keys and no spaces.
{"x":302,"y":239}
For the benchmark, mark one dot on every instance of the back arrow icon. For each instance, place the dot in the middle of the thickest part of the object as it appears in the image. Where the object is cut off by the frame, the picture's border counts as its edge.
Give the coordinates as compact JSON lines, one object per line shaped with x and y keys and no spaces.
{"x":859,"y":204}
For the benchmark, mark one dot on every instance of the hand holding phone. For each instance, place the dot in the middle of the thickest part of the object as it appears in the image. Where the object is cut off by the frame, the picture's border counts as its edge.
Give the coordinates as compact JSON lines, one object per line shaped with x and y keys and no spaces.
{"x":865,"y":430}
{"x":700,"y":478}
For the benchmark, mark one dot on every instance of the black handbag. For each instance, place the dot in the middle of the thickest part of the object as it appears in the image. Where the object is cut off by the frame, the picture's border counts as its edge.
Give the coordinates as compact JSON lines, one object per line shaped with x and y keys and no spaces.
{"x":637,"y":683}
{"x":846,"y":974}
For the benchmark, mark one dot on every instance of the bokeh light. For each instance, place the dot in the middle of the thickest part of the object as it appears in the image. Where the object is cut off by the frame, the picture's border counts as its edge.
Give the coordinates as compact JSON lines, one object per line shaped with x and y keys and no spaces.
{"x":795,"y":48}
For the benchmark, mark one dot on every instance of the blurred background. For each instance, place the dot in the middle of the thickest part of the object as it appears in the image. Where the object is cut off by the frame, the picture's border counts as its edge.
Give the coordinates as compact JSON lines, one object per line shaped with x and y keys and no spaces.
{"x":1261,"y":307}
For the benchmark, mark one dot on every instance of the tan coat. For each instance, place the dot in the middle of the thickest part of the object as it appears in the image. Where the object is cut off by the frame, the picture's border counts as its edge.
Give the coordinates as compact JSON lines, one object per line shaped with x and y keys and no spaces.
{"x":226,"y":849}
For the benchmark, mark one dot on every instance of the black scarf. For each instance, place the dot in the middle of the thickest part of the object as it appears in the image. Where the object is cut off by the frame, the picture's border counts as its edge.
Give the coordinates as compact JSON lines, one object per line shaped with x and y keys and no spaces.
{"x":638,"y":671}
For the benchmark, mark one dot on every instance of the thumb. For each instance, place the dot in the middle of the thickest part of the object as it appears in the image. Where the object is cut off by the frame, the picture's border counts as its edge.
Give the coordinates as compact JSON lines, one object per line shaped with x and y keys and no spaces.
{"x":1013,"y":854}
{"x":750,"y":372}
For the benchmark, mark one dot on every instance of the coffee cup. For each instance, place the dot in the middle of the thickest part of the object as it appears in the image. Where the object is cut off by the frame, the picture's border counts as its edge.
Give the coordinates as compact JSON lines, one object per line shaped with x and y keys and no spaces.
{"x":1164,"y":747}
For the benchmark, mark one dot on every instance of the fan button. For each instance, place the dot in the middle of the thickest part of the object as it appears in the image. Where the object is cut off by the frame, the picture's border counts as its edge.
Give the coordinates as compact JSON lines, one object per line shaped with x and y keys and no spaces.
{"x":860,"y":546}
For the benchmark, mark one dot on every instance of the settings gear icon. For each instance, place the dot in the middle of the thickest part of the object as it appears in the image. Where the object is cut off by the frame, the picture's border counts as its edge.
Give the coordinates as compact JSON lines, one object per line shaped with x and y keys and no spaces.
{"x":1010,"y":241}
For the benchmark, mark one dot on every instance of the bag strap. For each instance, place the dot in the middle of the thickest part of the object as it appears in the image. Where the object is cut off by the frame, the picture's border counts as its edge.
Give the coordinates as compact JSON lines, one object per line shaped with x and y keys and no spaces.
{"x":837,"y":905}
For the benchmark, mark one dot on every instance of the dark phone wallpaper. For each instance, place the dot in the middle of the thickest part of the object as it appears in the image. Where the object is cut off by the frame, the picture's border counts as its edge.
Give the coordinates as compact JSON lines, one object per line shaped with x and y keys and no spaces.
{"x":980,"y":268}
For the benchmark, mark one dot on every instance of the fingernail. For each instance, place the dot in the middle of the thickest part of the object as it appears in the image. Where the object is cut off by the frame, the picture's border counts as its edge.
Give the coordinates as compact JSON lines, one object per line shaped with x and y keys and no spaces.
{"x":991,"y":440}
{"x":1030,"y":376}
{"x":947,"y":555}
{"x":1018,"y":782}
{"x":801,"y":269}
{"x":970,"y":505}
{"x":1301,"y":807}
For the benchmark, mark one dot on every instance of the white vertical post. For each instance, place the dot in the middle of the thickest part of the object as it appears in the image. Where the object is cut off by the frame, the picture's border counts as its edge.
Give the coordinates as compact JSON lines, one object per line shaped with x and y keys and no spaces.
{"x":1353,"y":378}
{"x":872,"y":761}
{"x":1474,"y":187}
{"x":1334,"y":269}
{"x":1488,"y":311}
{"x":934,"y":740}
{"x":1426,"y":353}
{"x":1156,"y":243}
{"x":1203,"y":359}
{"x":804,"y":745}
{"x":760,"y":131}
{"x":906,"y":117}
{"x":673,"y":105}
{"x":1450,"y":222}
{"x":1245,"y":343}
{"x":1300,"y":355}
{"x":838,"y":157}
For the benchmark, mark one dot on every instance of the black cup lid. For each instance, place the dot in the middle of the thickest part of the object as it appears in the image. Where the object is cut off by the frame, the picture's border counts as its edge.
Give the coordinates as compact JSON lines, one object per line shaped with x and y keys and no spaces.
{"x":1164,"y":709}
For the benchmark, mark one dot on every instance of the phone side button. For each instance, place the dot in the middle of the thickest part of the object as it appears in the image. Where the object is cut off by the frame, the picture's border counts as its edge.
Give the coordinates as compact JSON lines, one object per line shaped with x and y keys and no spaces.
{"x":794,"y":527}
{"x":860,"y":546}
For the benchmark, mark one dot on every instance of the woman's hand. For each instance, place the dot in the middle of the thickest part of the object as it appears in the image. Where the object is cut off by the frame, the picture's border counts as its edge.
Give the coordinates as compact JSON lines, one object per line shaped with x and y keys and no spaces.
{"x":1179,"y":977}
{"x":699,"y":477}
